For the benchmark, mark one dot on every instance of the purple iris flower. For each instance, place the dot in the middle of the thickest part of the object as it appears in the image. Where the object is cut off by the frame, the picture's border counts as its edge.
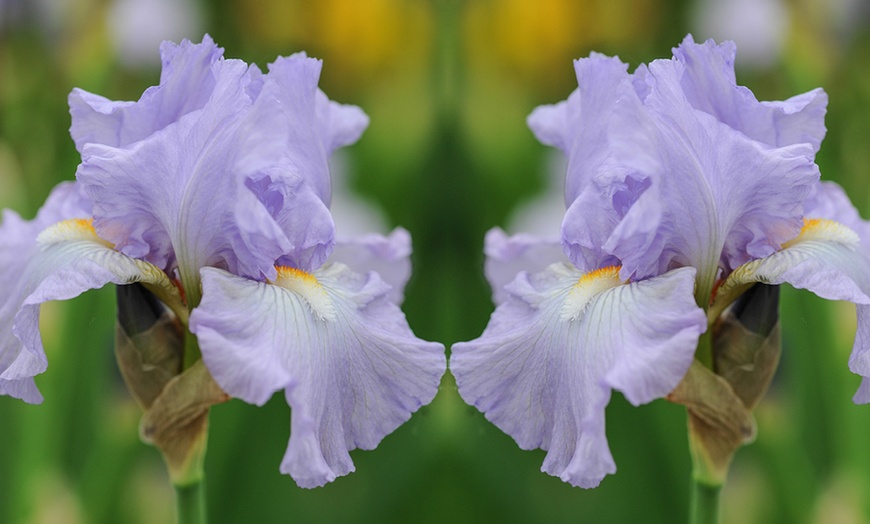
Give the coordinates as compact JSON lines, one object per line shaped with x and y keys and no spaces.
{"x":682,"y":190}
{"x":213,"y":190}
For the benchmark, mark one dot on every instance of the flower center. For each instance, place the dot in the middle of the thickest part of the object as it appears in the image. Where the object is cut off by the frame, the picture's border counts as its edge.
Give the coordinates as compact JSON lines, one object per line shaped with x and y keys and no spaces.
{"x":586,"y":288}
{"x":306,"y":287}
{"x":826,"y":230}
{"x":72,"y":230}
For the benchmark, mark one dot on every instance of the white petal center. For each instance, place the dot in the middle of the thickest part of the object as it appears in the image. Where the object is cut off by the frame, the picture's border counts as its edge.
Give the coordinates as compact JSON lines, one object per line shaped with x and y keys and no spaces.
{"x":306,"y":287}
{"x":824,"y":230}
{"x":71,"y":230}
{"x":586,"y":288}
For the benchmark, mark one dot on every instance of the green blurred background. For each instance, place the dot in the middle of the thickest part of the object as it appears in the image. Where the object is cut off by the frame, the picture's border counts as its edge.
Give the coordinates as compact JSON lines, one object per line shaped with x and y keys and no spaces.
{"x":448,"y":85}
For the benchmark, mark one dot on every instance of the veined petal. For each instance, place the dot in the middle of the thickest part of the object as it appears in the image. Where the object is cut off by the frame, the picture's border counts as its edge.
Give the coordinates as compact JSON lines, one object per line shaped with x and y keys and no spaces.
{"x":70,"y":259}
{"x":506,"y":256}
{"x":828,"y":259}
{"x":711,"y":86}
{"x":17,"y":249}
{"x":829,"y":201}
{"x":351,"y":367}
{"x":181,"y":195}
{"x":825,"y":259}
{"x":720,"y":197}
{"x":544,"y":368}
{"x":389,"y":256}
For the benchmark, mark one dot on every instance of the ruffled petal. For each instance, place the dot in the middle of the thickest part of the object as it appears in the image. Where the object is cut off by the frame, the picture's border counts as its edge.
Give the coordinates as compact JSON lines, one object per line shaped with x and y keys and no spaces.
{"x":313,"y":126}
{"x":302,"y":216}
{"x":69,"y":259}
{"x":578,"y":126}
{"x":711,"y":86}
{"x":829,"y":201}
{"x":339,"y":124}
{"x":389,"y":256}
{"x":592,"y":218}
{"x":186,"y":83}
{"x":506,"y":256}
{"x":351,"y":367}
{"x":544,"y":368}
{"x":716,"y":196}
{"x":180,"y":195}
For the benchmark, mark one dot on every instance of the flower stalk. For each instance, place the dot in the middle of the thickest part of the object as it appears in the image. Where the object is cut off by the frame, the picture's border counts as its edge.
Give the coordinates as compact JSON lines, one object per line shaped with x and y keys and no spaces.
{"x":150,"y":345}
{"x":719,"y":400}
{"x":704,"y":508}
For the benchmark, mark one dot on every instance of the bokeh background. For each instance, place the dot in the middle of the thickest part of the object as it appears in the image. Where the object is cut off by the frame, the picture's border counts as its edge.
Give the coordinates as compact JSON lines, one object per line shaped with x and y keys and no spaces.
{"x":448,"y":85}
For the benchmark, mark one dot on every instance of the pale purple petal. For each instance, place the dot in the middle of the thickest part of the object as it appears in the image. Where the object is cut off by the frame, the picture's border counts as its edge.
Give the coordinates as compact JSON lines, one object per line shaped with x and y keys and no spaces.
{"x":544,"y":368}
{"x":578,"y":126}
{"x":352,"y":369}
{"x":18,"y":247}
{"x":506,"y":256}
{"x":186,"y":84}
{"x":339,"y":124}
{"x":829,"y":201}
{"x":299,"y":212}
{"x":389,"y":256}
{"x":824,"y":259}
{"x":592,"y":218}
{"x":859,"y":361}
{"x":180,"y":195}
{"x":60,"y":269}
{"x":716,"y":197}
{"x":313,"y":126}
{"x":710,"y":86}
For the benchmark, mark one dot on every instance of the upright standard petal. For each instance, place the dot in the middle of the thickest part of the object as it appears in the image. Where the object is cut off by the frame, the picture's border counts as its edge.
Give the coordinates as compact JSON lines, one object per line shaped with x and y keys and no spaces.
{"x":299,"y":213}
{"x":711,"y":86}
{"x":180,"y":195}
{"x":544,"y":368}
{"x":186,"y":84}
{"x":237,"y":180}
{"x":313,"y":125}
{"x":578,"y":126}
{"x":351,"y":368}
{"x":716,"y":198}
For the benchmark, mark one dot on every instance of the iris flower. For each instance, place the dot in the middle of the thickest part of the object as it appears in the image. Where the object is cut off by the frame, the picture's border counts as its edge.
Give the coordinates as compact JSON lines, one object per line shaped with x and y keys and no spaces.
{"x":213,"y":190}
{"x":682,"y":191}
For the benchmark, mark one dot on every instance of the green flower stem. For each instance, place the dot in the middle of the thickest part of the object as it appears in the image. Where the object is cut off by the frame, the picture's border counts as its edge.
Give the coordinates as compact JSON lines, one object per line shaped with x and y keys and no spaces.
{"x":707,"y":481}
{"x":704,"y":352}
{"x":191,"y":350}
{"x":189,"y":482}
{"x":191,"y":502}
{"x":704,"y":505}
